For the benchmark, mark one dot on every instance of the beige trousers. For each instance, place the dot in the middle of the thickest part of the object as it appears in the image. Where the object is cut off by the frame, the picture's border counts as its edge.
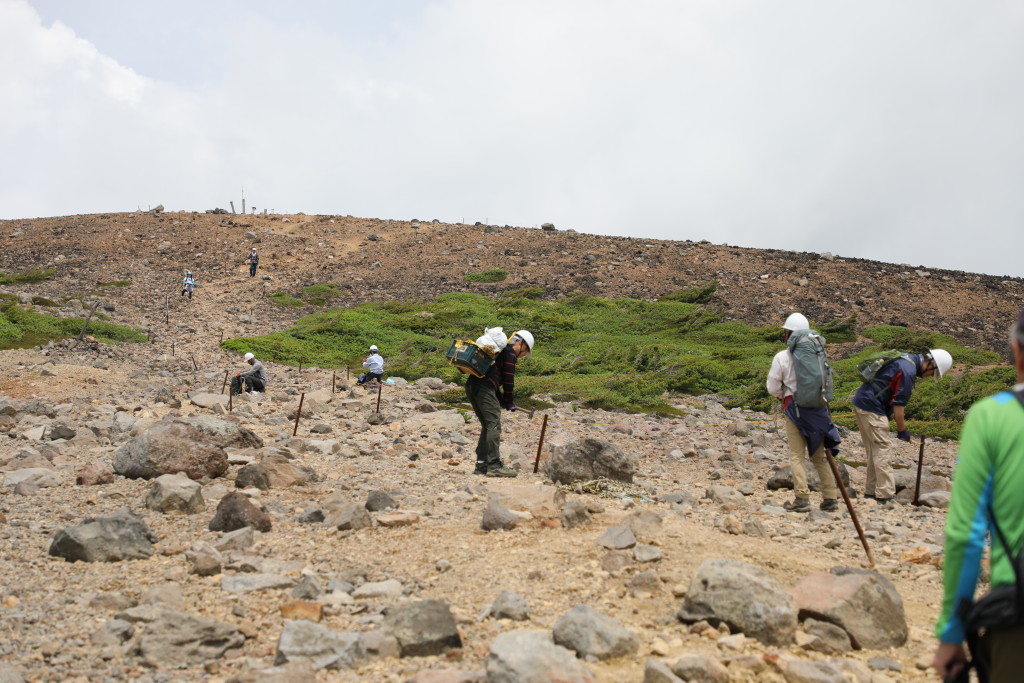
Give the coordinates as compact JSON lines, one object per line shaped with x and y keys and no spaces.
{"x":874,"y":432}
{"x":798,"y":463}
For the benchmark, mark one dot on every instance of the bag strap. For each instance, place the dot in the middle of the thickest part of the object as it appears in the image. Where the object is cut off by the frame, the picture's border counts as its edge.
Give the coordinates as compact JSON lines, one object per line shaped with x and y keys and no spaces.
{"x":1015,"y":559}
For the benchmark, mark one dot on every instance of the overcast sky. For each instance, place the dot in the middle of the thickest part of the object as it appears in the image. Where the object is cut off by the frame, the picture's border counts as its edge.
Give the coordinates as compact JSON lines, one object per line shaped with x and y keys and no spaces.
{"x":883,"y":129}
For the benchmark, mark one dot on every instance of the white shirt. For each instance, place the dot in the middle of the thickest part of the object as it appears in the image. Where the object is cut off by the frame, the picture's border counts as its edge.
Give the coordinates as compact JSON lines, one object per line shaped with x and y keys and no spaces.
{"x":782,"y":376}
{"x":375,"y":364}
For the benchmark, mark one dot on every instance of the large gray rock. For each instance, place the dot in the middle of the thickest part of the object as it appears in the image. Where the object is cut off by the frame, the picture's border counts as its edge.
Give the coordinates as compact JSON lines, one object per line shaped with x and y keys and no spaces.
{"x":41,"y":477}
{"x":208,"y":400}
{"x":349,"y":518}
{"x":378,"y":501}
{"x":863,"y":603}
{"x":592,"y":634}
{"x":283,"y":473}
{"x":701,"y":669}
{"x":497,"y":517}
{"x":743,"y":596}
{"x":318,"y":646}
{"x":509,"y":605}
{"x":802,"y":671}
{"x":587,"y":459}
{"x":236,"y":511}
{"x":169,"y":448}
{"x":224,"y":433}
{"x":530,"y":655}
{"x":175,"y":493}
{"x":782,"y":478}
{"x":422,"y":628}
{"x":249,"y":583}
{"x":253,"y":476}
{"x":575,"y":514}
{"x":121,"y":536}
{"x":617,"y":538}
{"x":656,"y":671}
{"x":176,"y":639}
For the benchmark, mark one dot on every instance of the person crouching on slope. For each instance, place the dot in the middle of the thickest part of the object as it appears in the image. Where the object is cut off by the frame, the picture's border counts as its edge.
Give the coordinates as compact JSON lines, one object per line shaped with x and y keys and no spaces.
{"x":374,"y":365}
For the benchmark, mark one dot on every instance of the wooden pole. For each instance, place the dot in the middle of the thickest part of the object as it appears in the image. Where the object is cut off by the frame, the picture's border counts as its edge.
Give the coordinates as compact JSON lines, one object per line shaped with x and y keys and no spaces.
{"x":300,"y":366}
{"x":334,"y":382}
{"x":543,"y":429}
{"x":380,"y":388}
{"x":920,"y":463}
{"x":298,"y":413}
{"x":221,"y":336}
{"x":346,"y":373}
{"x":85,"y":325}
{"x":849,"y":506}
{"x":225,"y":385}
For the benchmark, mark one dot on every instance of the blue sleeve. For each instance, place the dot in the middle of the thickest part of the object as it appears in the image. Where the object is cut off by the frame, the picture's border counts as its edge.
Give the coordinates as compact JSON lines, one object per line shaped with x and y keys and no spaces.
{"x":901,"y":396}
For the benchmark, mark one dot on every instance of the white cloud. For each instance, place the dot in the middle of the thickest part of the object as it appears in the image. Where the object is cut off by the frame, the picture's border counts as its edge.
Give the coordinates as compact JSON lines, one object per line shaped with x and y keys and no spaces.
{"x":872,"y":129}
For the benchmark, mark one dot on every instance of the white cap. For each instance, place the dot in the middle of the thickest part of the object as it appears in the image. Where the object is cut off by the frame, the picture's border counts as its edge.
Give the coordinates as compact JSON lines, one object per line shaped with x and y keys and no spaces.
{"x":373,"y":347}
{"x":248,"y":357}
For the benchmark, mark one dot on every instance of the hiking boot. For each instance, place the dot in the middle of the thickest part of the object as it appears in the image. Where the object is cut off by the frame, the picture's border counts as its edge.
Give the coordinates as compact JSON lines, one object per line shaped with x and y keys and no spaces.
{"x":503,"y":472}
{"x":883,"y":501}
{"x":480,"y":472}
{"x":798,"y":505}
{"x":829,"y":505}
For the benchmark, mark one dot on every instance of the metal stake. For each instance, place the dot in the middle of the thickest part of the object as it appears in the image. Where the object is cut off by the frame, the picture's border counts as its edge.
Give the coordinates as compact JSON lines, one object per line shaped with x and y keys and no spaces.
{"x":920,"y":463}
{"x":231,"y":399}
{"x":334,"y":381}
{"x":172,"y":348}
{"x":849,"y":506}
{"x":224,"y":386}
{"x":194,"y":362}
{"x":543,"y":428}
{"x":380,"y":388}
{"x":298,"y":413}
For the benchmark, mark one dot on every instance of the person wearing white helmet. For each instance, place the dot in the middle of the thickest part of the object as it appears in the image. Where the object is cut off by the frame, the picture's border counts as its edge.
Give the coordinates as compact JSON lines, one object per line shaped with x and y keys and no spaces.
{"x":188,"y":284}
{"x":374,"y":365}
{"x":253,"y":379}
{"x":808,"y":430}
{"x":253,"y":260}
{"x":883,"y":398}
{"x":488,"y":395}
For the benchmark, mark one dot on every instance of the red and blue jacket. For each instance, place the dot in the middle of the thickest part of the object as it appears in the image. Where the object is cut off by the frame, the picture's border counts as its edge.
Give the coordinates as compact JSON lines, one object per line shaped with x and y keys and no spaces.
{"x":891,"y":387}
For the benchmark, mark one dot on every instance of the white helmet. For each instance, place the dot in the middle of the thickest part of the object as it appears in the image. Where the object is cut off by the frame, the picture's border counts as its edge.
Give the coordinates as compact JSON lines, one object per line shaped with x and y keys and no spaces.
{"x":796,"y":321}
{"x":373,"y":347}
{"x":526,"y":337}
{"x":943,"y":361}
{"x":248,"y":357}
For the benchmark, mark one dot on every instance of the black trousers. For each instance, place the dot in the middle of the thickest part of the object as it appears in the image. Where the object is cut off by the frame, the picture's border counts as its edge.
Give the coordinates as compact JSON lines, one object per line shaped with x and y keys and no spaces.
{"x":247,"y":384}
{"x":252,"y":269}
{"x":366,"y":377}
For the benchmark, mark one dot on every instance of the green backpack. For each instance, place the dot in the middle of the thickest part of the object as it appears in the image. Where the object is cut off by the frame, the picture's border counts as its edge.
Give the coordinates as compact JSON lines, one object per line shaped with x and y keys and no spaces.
{"x":813,"y":371}
{"x":869,"y":367}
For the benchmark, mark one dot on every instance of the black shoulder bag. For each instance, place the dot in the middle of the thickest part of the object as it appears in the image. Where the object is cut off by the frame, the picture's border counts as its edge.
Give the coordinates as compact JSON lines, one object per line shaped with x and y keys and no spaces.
{"x":1002,"y":607}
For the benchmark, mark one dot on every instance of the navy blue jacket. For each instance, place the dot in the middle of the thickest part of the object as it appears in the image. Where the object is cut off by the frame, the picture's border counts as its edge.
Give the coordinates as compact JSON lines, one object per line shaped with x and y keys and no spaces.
{"x":891,"y":386}
{"x":815,"y":425}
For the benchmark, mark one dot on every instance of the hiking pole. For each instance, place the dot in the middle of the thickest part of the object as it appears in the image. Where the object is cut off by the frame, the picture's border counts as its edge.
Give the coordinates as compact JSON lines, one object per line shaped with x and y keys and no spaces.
{"x":225,"y":385}
{"x":849,"y":506}
{"x":543,"y":428}
{"x":380,"y":388}
{"x":920,"y":463}
{"x":298,"y":413}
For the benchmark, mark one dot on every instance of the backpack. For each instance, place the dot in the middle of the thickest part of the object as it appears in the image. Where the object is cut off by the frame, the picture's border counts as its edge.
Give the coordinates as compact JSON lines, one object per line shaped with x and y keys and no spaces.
{"x":813,"y":371}
{"x":470,"y":358}
{"x":869,"y":367}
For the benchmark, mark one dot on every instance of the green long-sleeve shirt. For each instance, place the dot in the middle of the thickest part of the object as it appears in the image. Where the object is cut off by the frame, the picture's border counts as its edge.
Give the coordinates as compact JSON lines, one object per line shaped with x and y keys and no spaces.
{"x":990,"y":472}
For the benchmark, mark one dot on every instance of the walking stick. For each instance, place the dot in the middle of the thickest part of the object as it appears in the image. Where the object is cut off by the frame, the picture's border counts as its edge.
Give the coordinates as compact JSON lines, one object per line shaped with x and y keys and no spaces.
{"x":543,"y":428}
{"x":920,"y":463}
{"x":849,"y":506}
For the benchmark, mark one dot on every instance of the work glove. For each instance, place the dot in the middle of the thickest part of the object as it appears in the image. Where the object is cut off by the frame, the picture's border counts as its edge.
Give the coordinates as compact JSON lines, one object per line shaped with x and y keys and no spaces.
{"x":511,"y":405}
{"x":903,"y":435}
{"x":238,"y":374}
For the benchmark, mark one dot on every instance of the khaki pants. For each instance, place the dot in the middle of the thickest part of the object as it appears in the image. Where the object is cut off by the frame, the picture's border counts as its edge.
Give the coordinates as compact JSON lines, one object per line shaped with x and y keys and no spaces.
{"x":874,"y":432}
{"x":798,"y":464}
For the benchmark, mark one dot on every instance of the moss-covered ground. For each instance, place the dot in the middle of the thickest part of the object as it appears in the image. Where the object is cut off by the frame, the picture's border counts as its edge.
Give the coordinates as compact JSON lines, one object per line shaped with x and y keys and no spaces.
{"x":21,"y":327}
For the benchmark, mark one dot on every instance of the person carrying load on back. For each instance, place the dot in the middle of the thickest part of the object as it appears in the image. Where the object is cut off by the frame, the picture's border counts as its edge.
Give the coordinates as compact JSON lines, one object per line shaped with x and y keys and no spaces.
{"x":253,"y":379}
{"x":884,"y":397}
{"x":987,"y":499}
{"x":800,"y":377}
{"x":253,"y":260}
{"x":374,"y":365}
{"x":188,"y":284}
{"x":488,"y":395}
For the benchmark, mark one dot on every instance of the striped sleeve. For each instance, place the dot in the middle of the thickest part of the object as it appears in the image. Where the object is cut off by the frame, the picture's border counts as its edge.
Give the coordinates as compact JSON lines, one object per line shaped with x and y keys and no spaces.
{"x":508,"y":375}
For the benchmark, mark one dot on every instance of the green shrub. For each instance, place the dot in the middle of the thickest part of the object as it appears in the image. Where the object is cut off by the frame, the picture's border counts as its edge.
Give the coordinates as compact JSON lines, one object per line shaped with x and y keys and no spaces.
{"x":115,"y":283}
{"x":284,"y":299}
{"x":492,"y":275}
{"x":524,"y":293}
{"x":319,"y":295}
{"x":28,"y":277}
{"x":693,"y":295}
{"x":18,"y":325}
{"x":839,"y":331}
{"x":43,"y":301}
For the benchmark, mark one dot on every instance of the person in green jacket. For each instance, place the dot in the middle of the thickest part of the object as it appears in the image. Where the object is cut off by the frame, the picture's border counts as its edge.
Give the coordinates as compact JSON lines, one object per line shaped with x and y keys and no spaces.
{"x":989,"y":474}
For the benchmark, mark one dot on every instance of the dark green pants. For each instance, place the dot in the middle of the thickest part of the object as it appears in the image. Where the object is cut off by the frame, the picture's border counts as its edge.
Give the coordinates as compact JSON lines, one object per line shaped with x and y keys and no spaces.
{"x":484,"y":400}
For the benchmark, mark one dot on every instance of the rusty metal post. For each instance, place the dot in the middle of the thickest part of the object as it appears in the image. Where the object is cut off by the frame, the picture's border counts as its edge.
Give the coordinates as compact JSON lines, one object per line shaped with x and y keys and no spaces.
{"x":231,"y":401}
{"x":849,"y":506}
{"x":334,"y":381}
{"x":298,"y":413}
{"x":221,"y":336}
{"x":543,"y":429}
{"x":346,"y":373}
{"x":380,"y":388}
{"x":225,"y":385}
{"x":194,"y":362}
{"x":172,"y":348}
{"x":300,"y":366}
{"x":920,"y":463}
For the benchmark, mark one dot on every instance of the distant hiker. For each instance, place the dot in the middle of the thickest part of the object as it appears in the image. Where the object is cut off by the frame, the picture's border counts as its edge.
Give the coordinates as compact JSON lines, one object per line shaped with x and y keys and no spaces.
{"x":374,"y":365}
{"x":488,"y":395}
{"x":253,"y":379}
{"x":254,"y":260}
{"x":188,"y":284}
{"x":809,"y":428}
{"x":882,"y":398}
{"x":987,"y":499}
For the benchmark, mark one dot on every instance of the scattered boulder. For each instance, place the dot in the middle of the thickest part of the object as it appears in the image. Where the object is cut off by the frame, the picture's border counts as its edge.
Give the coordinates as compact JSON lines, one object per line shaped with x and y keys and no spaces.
{"x":497,"y":517}
{"x":224,"y":433}
{"x":592,"y":634}
{"x":701,"y":668}
{"x":575,"y":514}
{"x":531,"y":655}
{"x":643,"y":523}
{"x":176,"y":639}
{"x":422,"y":628}
{"x":863,"y":603}
{"x":204,"y":559}
{"x":282,"y":473}
{"x":175,"y":493}
{"x":236,"y":511}
{"x":587,"y":459}
{"x":251,"y":476}
{"x":617,"y":538}
{"x":39,"y":477}
{"x":782,"y":478}
{"x":656,"y":671}
{"x":509,"y":605}
{"x":94,"y":475}
{"x":318,"y":646}
{"x":389,"y":590}
{"x":121,"y":536}
{"x":826,"y":638}
{"x":249,"y":583}
{"x":378,"y":501}
{"x":169,"y":448}
{"x":803,"y":671}
{"x":349,"y":518}
{"x":208,"y":400}
{"x":742,"y":596}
